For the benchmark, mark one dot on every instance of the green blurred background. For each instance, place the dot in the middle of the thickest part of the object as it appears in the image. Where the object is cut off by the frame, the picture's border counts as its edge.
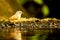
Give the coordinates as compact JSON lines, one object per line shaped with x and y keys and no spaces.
{"x":31,"y":8}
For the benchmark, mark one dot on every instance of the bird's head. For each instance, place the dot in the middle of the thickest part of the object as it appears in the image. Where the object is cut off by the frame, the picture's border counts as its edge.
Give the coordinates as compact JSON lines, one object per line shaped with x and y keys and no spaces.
{"x":19,"y":13}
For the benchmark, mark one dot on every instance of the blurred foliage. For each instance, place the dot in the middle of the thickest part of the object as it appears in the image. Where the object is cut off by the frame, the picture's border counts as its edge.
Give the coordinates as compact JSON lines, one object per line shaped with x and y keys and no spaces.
{"x":40,"y":35}
{"x":9,"y":7}
{"x":21,"y":1}
{"x":36,"y":7}
{"x":45,"y":10}
{"x":5,"y":8}
{"x":39,"y":1}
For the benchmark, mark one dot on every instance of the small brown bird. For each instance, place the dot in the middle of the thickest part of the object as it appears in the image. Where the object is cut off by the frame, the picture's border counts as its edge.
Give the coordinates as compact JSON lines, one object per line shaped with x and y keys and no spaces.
{"x":16,"y":16}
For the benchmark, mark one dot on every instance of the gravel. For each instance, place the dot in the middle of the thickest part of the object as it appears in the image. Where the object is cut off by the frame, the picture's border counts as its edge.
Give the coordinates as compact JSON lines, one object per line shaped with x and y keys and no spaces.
{"x":30,"y":25}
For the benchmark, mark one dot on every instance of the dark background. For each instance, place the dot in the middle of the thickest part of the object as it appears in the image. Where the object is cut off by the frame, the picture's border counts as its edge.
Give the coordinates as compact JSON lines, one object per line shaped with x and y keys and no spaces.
{"x":53,"y":5}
